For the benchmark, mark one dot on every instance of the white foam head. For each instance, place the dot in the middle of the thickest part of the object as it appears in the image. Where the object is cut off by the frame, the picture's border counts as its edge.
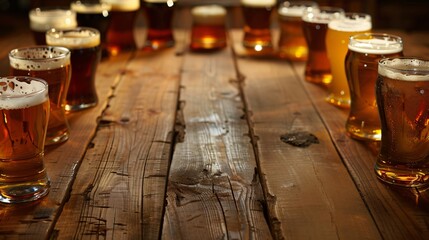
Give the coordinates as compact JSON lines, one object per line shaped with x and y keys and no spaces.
{"x":209,"y":14}
{"x":82,"y":37}
{"x":123,"y":5}
{"x":80,"y":7}
{"x":352,"y":22}
{"x":322,"y":15}
{"x":22,"y":92}
{"x":295,"y":9}
{"x":43,"y":19}
{"x":258,"y":3}
{"x":39,"y":58}
{"x":405,"y":69}
{"x":375,"y":44}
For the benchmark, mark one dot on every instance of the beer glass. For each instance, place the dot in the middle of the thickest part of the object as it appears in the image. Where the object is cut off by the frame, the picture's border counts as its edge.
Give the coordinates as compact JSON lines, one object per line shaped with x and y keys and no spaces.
{"x":257,"y":25}
{"x":43,"y":19}
{"x":402,"y":92}
{"x":95,"y":15}
{"x":315,"y":25}
{"x":51,"y":64}
{"x":292,"y":45}
{"x":159,"y":16}
{"x":84,"y":45}
{"x":337,"y":40}
{"x":208,"y":27}
{"x":24,"y":105}
{"x":365,"y":50}
{"x":120,"y":33}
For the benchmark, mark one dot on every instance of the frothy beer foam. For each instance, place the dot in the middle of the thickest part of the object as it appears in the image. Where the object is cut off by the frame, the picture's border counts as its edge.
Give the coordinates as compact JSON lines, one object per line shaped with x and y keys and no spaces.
{"x":353,"y":23}
{"x":72,"y":39}
{"x":34,"y":58}
{"x":375,"y":46}
{"x":123,"y":5}
{"x":406,"y":69}
{"x":210,"y":15}
{"x":21,"y":92}
{"x":258,"y":3}
{"x":90,"y":8}
{"x":292,"y":11}
{"x":45,"y":19}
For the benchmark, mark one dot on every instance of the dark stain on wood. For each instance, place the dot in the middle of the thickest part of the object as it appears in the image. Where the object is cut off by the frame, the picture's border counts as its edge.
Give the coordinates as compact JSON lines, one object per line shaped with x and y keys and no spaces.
{"x":299,"y":139}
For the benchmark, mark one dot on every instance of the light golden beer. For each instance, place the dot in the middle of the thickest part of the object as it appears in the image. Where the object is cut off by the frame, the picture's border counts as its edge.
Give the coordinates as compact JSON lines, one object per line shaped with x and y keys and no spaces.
{"x":208,"y":28}
{"x":365,"y":50}
{"x":120,"y":33}
{"x":402,"y":92}
{"x":24,"y":107}
{"x":315,"y":26}
{"x":43,"y":19}
{"x":337,"y":39}
{"x":159,"y":17}
{"x":51,"y":64}
{"x":257,"y":25}
{"x":84,"y":44}
{"x":292,"y":45}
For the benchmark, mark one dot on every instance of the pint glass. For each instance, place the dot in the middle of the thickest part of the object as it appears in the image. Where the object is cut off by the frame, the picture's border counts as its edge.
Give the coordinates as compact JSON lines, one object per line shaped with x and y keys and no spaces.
{"x":94,"y":15}
{"x":337,"y":40}
{"x":208,"y":27}
{"x":365,"y":50}
{"x":43,"y":19}
{"x":402,"y":92}
{"x":24,"y":105}
{"x":51,"y":64}
{"x":292,"y":45}
{"x":159,"y":17}
{"x":315,"y":25}
{"x":257,"y":25}
{"x":120,"y":33}
{"x":84,"y":44}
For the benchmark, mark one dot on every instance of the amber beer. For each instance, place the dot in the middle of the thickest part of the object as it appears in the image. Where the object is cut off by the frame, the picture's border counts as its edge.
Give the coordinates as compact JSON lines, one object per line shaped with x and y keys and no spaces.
{"x":337,"y":39}
{"x":292,"y":43}
{"x":43,"y":19}
{"x":365,"y":50}
{"x":24,"y":106}
{"x":208,"y":28}
{"x":257,"y":25}
{"x":120,"y":33}
{"x":402,"y":92}
{"x":159,"y":17}
{"x":51,"y":64}
{"x":84,"y":44}
{"x":315,"y":26}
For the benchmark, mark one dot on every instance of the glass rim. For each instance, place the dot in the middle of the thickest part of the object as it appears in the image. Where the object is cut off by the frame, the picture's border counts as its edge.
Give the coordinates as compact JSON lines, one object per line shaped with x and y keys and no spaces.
{"x":299,"y":6}
{"x":35,"y":12}
{"x":414,"y":62}
{"x":65,"y":53}
{"x":80,"y":37}
{"x":322,"y":14}
{"x":383,"y":43}
{"x":37,"y":92}
{"x":75,"y":5}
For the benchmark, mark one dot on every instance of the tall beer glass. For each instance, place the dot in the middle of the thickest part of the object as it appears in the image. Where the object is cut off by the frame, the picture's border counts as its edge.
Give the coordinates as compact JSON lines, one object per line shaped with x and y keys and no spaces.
{"x":315,"y":26}
{"x":120,"y":33}
{"x":292,"y":45}
{"x":51,"y":64}
{"x":43,"y":19}
{"x":84,"y":44}
{"x":208,"y":27}
{"x":94,"y":15}
{"x":24,"y":106}
{"x":402,"y":92}
{"x":365,"y":50}
{"x":257,"y":25}
{"x":159,"y":17}
{"x":337,"y":40}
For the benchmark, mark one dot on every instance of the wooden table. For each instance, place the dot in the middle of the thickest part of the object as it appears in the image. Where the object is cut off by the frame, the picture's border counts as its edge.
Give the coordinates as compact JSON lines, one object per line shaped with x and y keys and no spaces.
{"x":187,"y":146}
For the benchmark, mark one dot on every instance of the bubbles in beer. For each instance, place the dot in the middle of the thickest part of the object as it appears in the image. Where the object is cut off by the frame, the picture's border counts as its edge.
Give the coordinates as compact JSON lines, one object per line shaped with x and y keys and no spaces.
{"x":15,"y":87}
{"x":404,"y":69}
{"x":27,"y":58}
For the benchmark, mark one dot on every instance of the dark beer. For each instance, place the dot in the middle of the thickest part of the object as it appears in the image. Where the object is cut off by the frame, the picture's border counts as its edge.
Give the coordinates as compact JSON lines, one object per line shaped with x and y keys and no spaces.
{"x":257,"y":25}
{"x":361,"y":64}
{"x":315,"y":26}
{"x":120,"y":33}
{"x":159,"y":16}
{"x":402,"y":92}
{"x":53,"y":65}
{"x":43,"y":19}
{"x":208,"y":28}
{"x":24,"y":107}
{"x":84,"y":44}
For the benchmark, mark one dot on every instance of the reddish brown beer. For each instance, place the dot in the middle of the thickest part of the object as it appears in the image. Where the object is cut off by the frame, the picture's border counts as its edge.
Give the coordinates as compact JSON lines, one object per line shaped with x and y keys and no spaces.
{"x":159,"y":16}
{"x":24,"y":107}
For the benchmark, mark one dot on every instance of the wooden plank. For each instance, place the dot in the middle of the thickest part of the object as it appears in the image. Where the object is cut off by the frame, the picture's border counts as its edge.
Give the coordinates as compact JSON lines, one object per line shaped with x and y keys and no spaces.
{"x":399,"y":213}
{"x":312,"y":195}
{"x":213,"y":192}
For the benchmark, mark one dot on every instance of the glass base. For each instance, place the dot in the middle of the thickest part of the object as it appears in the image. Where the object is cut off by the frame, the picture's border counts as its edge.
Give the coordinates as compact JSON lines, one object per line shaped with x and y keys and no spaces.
{"x":79,"y":107}
{"x":363,"y":134}
{"x":157,"y":45}
{"x":322,"y":79}
{"x":401,"y":177}
{"x":51,"y":140}
{"x":339,"y":102}
{"x":24,"y":192}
